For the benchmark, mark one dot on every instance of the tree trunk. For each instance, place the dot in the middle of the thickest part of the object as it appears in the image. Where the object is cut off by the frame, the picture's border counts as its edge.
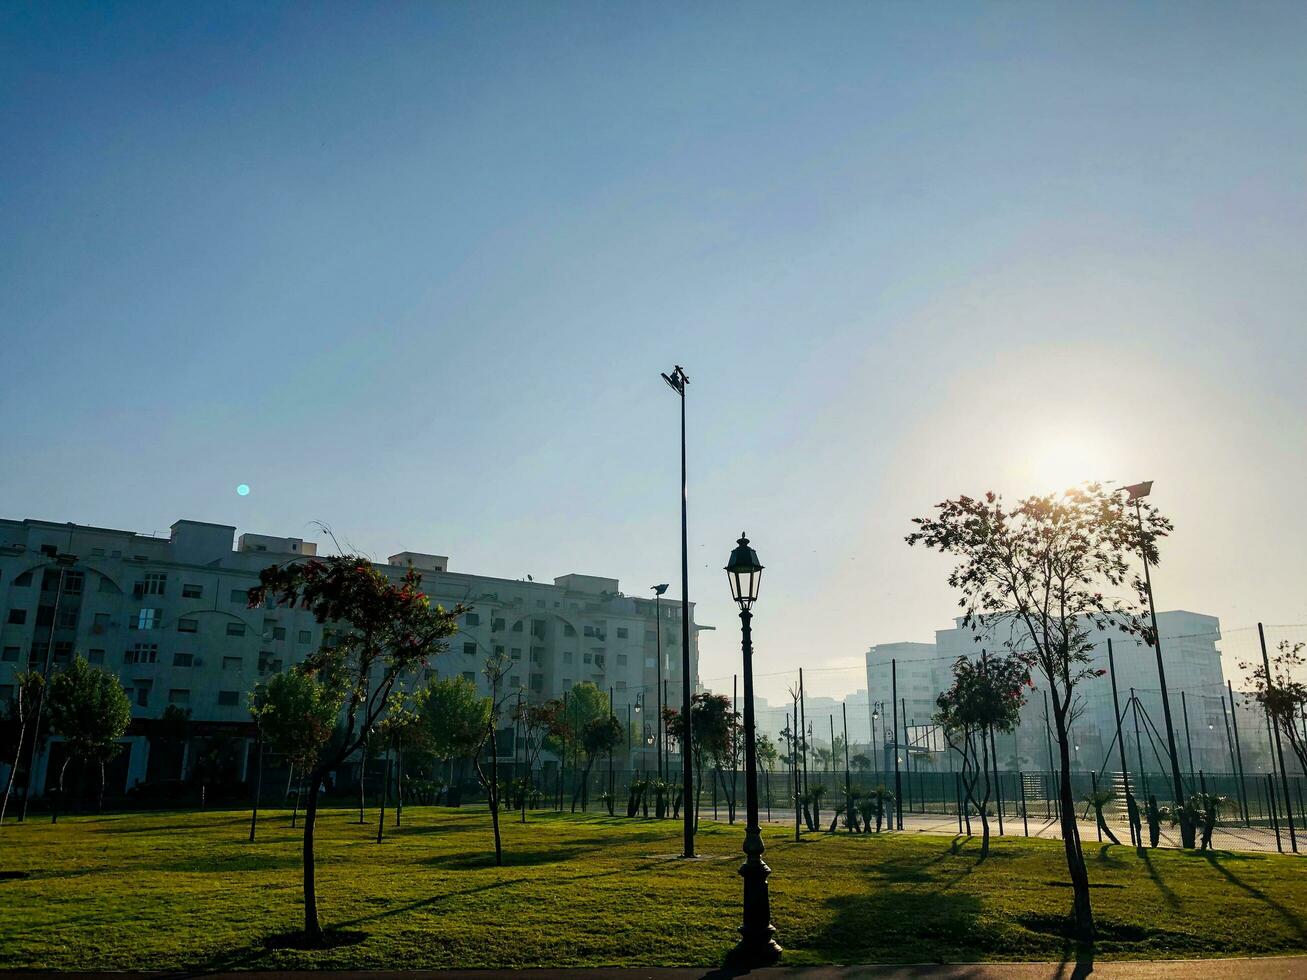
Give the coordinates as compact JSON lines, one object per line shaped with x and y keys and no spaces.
{"x":494,"y":795}
{"x":385,"y":789}
{"x":984,"y":801}
{"x":363,"y":771}
{"x":312,"y":930}
{"x":1075,"y":859}
{"x":13,"y":773}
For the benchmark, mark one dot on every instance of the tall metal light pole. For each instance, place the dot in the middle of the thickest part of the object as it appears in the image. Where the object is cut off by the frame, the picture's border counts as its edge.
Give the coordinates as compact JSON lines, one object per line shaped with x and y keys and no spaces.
{"x":658,"y":591}
{"x":64,"y":562}
{"x":1137,"y":493}
{"x":757,"y":946}
{"x":677,"y":381}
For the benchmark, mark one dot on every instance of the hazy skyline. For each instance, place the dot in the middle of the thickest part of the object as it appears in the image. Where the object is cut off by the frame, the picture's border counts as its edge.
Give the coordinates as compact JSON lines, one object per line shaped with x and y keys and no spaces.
{"x":413,"y":270}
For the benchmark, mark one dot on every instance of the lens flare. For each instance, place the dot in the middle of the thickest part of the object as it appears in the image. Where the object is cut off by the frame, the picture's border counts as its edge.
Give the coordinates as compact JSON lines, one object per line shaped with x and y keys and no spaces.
{"x":243,"y":489}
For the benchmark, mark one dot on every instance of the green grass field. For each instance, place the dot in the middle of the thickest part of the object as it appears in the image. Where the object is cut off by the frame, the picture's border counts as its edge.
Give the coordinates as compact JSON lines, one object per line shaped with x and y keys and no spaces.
{"x":185,"y":890}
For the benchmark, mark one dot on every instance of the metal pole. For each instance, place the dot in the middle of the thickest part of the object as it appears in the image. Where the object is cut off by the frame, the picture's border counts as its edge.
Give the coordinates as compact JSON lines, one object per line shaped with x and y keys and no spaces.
{"x":757,"y":944}
{"x":898,"y":778}
{"x":661,"y":691}
{"x":1186,"y":831}
{"x":1279,"y":749}
{"x":1025,"y":817}
{"x":1048,"y":736}
{"x":1139,"y":745}
{"x":1238,"y":751}
{"x":1120,"y":740}
{"x":1188,"y":740}
{"x":803,"y":732}
{"x":64,"y":561}
{"x":678,"y":381}
{"x":848,"y":781}
{"x":1270,"y":803}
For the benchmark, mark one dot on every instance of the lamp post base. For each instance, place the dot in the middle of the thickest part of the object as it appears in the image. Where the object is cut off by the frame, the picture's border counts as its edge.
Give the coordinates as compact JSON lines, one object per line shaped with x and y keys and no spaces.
{"x":755,"y":950}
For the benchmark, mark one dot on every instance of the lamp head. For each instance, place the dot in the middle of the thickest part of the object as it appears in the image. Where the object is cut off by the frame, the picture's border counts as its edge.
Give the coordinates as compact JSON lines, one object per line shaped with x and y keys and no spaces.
{"x":659,"y":589}
{"x":1139,"y":490}
{"x":744,"y":572}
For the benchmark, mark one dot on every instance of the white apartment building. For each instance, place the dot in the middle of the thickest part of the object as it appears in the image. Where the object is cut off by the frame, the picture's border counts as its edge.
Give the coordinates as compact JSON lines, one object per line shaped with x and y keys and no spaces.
{"x":1193,"y":665}
{"x":169,"y":616}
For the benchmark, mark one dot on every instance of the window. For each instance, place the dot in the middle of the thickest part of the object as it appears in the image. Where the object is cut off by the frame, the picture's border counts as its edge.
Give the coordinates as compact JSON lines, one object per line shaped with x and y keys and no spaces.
{"x":472,"y":619}
{"x":143,"y":693}
{"x":599,"y":660}
{"x":470,"y":650}
{"x":517,"y":627}
{"x":67,"y":618}
{"x":236,"y":663}
{"x":228,"y":699}
{"x":622,"y":633}
{"x":142,"y":653}
{"x":17,"y":617}
{"x":49,"y":550}
{"x":240,"y":596}
{"x":279,"y":632}
{"x":567,"y":683}
{"x":589,"y":631}
{"x":154,"y":584}
{"x":497,"y":625}
{"x":516,"y":654}
{"x":305,"y":636}
{"x":516,"y":681}
{"x":567,"y":658}
{"x":97,"y":552}
{"x":268,"y":664}
{"x":9,"y":655}
{"x":538,"y":628}
{"x":590,"y":659}
{"x":190,"y":591}
{"x":63,"y":651}
{"x":179,"y":695}
{"x":73,"y":582}
{"x":95,"y":656}
{"x":569,"y":629}
{"x":183,"y":659}
{"x":101,"y":623}
{"x":537,"y":682}
{"x":621,"y":686}
{"x":24,"y":580}
{"x":499,"y":650}
{"x":621,"y":661}
{"x":188,"y":626}
{"x":235,"y":629}
{"x":650,"y":636}
{"x":469,"y":675}
{"x":6,"y":693}
{"x":148,"y":619}
{"x":537,"y":655}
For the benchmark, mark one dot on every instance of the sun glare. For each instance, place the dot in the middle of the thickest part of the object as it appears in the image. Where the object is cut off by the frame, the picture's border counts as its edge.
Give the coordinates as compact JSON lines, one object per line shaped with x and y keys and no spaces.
{"x":1063,"y":462}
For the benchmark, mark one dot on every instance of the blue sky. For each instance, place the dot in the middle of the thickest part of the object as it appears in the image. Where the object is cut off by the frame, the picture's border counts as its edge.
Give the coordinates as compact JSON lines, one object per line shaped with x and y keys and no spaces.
{"x":413,"y":270}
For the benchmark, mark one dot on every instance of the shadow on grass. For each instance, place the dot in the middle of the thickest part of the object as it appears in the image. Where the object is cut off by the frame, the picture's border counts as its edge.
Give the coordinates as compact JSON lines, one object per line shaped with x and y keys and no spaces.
{"x":513,"y":857}
{"x":1291,"y":918}
{"x":906,"y":925}
{"x":1167,"y":894}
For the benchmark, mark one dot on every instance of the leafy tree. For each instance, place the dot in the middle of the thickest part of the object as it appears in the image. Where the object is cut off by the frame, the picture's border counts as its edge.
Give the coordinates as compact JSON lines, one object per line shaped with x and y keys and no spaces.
{"x":536,"y":722}
{"x":713,"y":724}
{"x":18,"y":723}
{"x":861,"y":762}
{"x":765,"y":749}
{"x":381,"y":631}
{"x":1045,"y":573}
{"x":985,"y":696}
{"x":1282,"y":696}
{"x":599,"y":737}
{"x":90,"y":711}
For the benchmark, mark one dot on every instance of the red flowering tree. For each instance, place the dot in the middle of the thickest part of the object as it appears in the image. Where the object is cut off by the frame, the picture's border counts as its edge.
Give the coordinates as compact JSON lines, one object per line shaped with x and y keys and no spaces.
{"x":383,"y":630}
{"x":986,"y":697}
{"x":1036,"y":578}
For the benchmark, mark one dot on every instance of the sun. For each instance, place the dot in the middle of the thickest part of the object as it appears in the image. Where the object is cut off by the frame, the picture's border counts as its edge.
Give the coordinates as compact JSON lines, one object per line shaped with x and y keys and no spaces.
{"x":1062,"y":461}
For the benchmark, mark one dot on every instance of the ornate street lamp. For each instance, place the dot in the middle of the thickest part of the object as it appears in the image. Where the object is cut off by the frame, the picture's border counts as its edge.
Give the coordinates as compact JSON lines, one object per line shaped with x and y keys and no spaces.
{"x":757,"y":946}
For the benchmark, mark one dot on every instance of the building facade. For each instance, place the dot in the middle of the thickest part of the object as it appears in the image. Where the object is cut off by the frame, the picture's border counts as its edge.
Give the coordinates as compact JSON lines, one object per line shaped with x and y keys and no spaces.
{"x":169,"y":617}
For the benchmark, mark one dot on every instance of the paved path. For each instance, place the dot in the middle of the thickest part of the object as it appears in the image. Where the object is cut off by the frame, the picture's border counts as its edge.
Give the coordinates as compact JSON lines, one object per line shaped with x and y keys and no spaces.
{"x":1267,"y":968}
{"x":1232,"y":838}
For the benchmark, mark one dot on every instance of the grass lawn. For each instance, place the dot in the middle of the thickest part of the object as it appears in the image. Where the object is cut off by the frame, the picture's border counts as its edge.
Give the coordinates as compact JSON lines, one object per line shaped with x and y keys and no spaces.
{"x":184,"y":890}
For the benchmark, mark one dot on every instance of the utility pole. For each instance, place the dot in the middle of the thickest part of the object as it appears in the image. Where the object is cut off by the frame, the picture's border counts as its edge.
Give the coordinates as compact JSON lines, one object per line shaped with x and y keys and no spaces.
{"x":1279,"y":749}
{"x":898,"y":777}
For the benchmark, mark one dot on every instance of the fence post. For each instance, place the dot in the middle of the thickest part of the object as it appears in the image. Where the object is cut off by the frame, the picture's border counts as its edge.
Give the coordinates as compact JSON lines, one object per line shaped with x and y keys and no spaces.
{"x":1098,"y":826}
{"x":1025,"y":818}
{"x":1275,"y":819}
{"x":957,"y":789}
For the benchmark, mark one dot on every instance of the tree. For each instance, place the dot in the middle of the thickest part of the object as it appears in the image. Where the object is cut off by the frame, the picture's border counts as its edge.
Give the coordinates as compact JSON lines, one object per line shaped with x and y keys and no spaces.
{"x":1045,"y":572}
{"x":90,"y":711}
{"x":381,"y":631}
{"x":18,"y":721}
{"x":599,"y":737}
{"x":861,"y":762}
{"x":710,"y":734}
{"x":986,"y":696}
{"x":765,"y":749}
{"x":1282,"y":696}
{"x":537,"y":721}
